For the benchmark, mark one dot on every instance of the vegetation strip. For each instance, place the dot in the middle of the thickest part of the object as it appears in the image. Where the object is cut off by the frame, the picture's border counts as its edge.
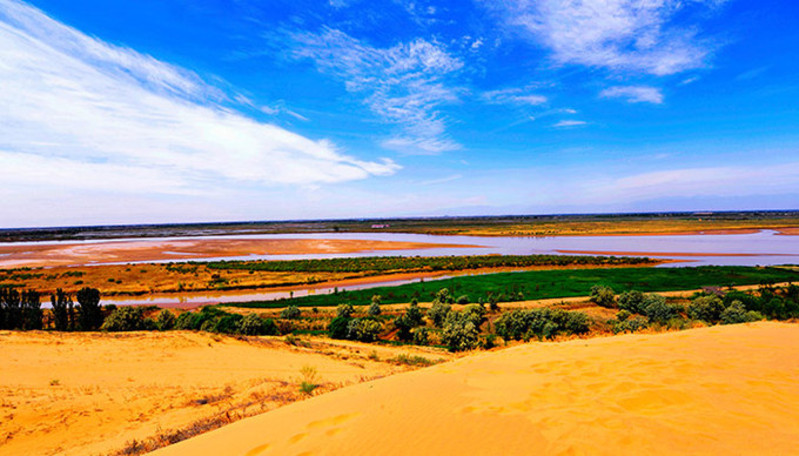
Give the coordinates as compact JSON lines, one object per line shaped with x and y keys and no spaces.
{"x":560,"y":283}
{"x":416,"y":264}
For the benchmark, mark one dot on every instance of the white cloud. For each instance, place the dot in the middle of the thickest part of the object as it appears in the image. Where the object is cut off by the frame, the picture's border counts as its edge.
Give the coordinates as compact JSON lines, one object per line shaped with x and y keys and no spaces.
{"x":635,"y":35}
{"x":570,"y":123}
{"x":634,"y":94}
{"x":513,"y":96}
{"x":698,"y":181}
{"x":404,"y":84}
{"x":84,"y":114}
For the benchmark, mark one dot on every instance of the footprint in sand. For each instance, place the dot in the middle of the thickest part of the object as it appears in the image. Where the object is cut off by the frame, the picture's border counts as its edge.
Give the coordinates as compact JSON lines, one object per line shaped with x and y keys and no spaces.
{"x":333,"y":421}
{"x":257,"y":450}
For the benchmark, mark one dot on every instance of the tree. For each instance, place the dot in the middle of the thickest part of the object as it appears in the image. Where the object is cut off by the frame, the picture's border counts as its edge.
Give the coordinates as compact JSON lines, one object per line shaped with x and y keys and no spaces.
{"x":632,"y":301}
{"x":707,"y":308}
{"x":736,"y":313}
{"x":337,"y":329}
{"x":658,"y":310}
{"x":345,"y":310}
{"x":363,"y":329}
{"x":438,"y":311}
{"x":12,"y":309}
{"x":374,"y":308}
{"x":291,"y":313}
{"x":603,"y":296}
{"x":91,"y":314}
{"x":31,"y":310}
{"x":61,"y":303}
{"x":460,"y":333}
{"x":126,"y":318}
{"x":165,"y":321}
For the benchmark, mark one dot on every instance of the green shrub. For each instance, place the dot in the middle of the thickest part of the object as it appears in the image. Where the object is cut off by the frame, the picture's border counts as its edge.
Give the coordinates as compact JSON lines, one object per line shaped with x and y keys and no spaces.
{"x":184,"y":321}
{"x":749,"y":301}
{"x":269,"y":328}
{"x":623,"y":314}
{"x":438,"y":312}
{"x":420,"y":336}
{"x":707,"y":308}
{"x":632,"y":301}
{"x":444,"y":296}
{"x":489,"y":341}
{"x":363,"y":329}
{"x":658,"y":310}
{"x":631,"y":325}
{"x":493,"y":303}
{"x":337,"y":329}
{"x":476,"y":313}
{"x":463,"y":299}
{"x":737,"y":313}
{"x":126,"y":318}
{"x":543,"y":323}
{"x":603,"y":296}
{"x":374,"y":309}
{"x":345,"y":310}
{"x":253,"y":325}
{"x":291,"y":312}
{"x":460,"y":333}
{"x":166,"y":320}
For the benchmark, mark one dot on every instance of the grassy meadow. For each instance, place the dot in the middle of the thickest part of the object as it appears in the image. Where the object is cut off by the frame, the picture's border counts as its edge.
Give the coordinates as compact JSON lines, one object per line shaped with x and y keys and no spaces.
{"x":547,"y":284}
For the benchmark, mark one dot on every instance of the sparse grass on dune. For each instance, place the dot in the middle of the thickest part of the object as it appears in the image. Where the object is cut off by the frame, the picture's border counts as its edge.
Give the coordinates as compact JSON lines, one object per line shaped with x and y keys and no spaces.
{"x":129,"y":393}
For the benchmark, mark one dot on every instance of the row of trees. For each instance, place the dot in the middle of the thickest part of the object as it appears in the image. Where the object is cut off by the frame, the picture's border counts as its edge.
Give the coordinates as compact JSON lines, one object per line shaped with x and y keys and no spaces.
{"x":23,"y":310}
{"x":639,"y":310}
{"x":458,"y":330}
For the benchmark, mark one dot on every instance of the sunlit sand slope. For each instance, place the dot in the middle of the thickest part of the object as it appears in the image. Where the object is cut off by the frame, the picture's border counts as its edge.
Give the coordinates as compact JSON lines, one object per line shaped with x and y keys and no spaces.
{"x":93,"y":393}
{"x":720,"y":390}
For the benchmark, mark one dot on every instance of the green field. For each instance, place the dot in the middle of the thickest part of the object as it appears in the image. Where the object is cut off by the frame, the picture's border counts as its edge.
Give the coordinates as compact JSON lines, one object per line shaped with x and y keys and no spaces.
{"x":549,"y":284}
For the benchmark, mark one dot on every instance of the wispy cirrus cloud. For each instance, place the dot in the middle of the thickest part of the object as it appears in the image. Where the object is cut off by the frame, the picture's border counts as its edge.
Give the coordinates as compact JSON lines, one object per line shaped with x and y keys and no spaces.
{"x":117,"y":120}
{"x":405,"y":84}
{"x":634,"y":94}
{"x":570,"y":123}
{"x":515,"y":96}
{"x":732,"y":180}
{"x":627,"y":35}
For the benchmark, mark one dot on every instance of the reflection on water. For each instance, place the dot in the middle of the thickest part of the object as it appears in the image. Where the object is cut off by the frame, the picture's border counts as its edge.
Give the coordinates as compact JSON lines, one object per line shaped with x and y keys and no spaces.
{"x":763,"y":248}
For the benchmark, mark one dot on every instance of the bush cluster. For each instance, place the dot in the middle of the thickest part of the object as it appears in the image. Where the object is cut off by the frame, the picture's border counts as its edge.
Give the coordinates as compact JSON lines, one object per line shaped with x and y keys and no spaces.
{"x":212,"y":319}
{"x":603,"y":296}
{"x":461,"y":331}
{"x":361,"y":329}
{"x":543,"y":323}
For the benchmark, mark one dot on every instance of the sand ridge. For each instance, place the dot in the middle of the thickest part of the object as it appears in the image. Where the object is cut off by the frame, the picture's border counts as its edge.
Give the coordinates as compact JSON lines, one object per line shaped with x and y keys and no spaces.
{"x":717,"y":390}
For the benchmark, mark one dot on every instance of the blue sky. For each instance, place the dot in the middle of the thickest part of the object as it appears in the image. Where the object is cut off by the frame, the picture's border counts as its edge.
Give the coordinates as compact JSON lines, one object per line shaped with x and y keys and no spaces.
{"x":209,"y":110}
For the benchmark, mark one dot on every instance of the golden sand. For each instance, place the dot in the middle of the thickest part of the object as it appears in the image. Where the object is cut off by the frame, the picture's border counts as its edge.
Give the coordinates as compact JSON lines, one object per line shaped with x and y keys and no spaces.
{"x":92,"y":393}
{"x":719,"y":390}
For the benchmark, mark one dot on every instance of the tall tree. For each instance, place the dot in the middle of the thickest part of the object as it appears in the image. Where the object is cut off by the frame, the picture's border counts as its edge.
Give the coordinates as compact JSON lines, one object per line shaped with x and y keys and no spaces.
{"x":62,"y":304}
{"x":91,"y":314}
{"x":11,"y":309}
{"x":31,"y":310}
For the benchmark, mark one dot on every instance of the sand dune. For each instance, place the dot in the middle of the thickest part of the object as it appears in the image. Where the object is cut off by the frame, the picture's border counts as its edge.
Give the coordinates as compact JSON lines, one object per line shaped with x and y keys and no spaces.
{"x":718,"y":390}
{"x":92,"y":393}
